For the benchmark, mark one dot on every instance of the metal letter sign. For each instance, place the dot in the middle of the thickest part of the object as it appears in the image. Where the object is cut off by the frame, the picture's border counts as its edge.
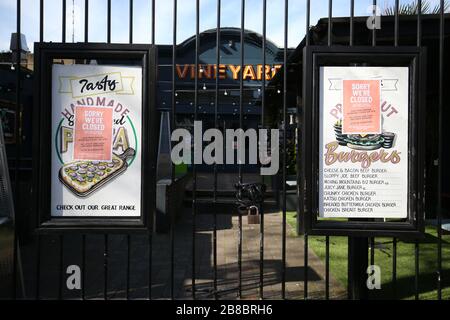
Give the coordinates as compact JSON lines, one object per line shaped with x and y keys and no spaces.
{"x":96,"y":154}
{"x":363,"y":141}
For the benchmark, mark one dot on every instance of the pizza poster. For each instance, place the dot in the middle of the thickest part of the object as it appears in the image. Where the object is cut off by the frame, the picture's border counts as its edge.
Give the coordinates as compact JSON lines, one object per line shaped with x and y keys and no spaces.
{"x":96,"y":134}
{"x":363,"y":165}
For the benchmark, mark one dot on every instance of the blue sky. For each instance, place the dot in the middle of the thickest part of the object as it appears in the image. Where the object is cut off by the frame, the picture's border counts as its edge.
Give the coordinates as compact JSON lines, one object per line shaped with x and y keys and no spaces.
{"x":186,"y":18}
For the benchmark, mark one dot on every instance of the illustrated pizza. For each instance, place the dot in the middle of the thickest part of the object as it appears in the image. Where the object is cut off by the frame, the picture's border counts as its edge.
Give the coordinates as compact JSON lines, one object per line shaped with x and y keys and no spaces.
{"x":84,"y":177}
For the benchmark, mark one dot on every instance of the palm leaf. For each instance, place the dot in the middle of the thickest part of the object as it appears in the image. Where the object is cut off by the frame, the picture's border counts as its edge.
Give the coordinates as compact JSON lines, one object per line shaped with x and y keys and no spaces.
{"x":413,"y":8}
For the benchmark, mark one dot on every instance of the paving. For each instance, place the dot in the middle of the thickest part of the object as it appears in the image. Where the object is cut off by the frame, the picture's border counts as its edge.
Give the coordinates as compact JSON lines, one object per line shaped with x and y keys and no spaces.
{"x":228,"y":265}
{"x":52,"y":273}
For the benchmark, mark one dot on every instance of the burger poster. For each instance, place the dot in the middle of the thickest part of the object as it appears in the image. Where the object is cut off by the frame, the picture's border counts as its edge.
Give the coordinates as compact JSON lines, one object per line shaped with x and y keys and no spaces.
{"x":363,"y":167}
{"x":96,"y":134}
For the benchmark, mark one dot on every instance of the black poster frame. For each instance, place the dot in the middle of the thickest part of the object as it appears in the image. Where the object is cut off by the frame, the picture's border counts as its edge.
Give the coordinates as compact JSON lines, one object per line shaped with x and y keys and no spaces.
{"x":139,"y":54}
{"x":315,"y":57}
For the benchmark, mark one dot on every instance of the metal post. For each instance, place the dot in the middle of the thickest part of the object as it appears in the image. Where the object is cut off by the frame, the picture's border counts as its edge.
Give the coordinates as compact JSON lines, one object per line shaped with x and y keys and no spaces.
{"x":172,"y":127}
{"x":241,"y":94}
{"x":194,"y":168}
{"x":357,"y":266}
{"x":261,"y":207}
{"x":216,"y":125}
{"x":150,"y":235}
{"x":283,"y":237}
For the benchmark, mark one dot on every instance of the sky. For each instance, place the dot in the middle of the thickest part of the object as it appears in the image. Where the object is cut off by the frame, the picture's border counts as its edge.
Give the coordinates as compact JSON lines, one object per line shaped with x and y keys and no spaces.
{"x":230,"y":17}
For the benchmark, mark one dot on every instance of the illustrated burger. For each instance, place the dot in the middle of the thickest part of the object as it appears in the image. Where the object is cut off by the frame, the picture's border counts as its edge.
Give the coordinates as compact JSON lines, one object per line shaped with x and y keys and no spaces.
{"x":364,"y":141}
{"x":358,"y":141}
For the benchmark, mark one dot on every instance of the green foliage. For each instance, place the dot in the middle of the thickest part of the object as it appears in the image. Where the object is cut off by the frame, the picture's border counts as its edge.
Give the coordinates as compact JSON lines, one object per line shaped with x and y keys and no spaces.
{"x":413,"y":8}
{"x":180,"y":169}
{"x":383,"y":258}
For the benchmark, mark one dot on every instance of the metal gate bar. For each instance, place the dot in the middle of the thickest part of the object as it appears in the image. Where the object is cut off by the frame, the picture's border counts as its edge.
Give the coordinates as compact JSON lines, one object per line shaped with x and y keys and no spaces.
{"x":173,"y":125}
{"x":83,"y":266}
{"x":106,"y":237}
{"x":61,"y":237}
{"x":105,"y":266}
{"x":352,"y":16}
{"x":416,"y":269}
{"x":216,"y":125}
{"x":396,"y":23}
{"x":150,"y":234}
{"x":327,"y":238}
{"x":394,"y":268}
{"x":108,"y":31}
{"x":38,"y":266}
{"x":86,"y":20}
{"x":394,"y":240}
{"x":283,"y":232}
{"x":83,"y":236}
{"x":372,"y":239}
{"x":130,"y":21}
{"x":18,"y":153}
{"x":194,"y":167}
{"x":263,"y":104}
{"x":61,"y":266}
{"x":63,"y":28}
{"x":241,"y":91}
{"x":440,"y":139}
{"x":128,"y":267}
{"x":419,"y":42}
{"x":372,"y":251}
{"x":301,"y":191}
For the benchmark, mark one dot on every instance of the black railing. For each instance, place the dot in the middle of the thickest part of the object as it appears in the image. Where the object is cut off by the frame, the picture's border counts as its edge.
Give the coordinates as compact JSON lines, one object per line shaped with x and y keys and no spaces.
{"x":39,"y":239}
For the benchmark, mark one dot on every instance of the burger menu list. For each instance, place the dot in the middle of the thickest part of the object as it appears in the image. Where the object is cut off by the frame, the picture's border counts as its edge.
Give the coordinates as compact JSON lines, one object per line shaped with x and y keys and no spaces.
{"x":363,"y":142}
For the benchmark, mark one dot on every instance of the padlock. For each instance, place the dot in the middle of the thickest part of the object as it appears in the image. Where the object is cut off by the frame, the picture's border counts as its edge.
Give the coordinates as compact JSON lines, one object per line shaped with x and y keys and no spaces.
{"x":253,"y":215}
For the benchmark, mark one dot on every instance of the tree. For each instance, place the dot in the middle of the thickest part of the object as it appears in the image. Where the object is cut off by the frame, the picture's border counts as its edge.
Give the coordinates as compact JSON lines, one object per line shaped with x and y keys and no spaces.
{"x":413,"y":8}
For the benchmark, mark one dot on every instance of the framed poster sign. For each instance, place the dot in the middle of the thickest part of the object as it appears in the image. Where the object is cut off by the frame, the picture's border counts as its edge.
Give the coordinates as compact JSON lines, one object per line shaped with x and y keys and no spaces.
{"x":363,"y":141}
{"x":96,"y":146}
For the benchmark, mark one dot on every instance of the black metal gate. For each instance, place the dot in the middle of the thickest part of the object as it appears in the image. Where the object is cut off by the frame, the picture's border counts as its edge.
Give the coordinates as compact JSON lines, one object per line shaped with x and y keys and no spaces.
{"x":126,"y":265}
